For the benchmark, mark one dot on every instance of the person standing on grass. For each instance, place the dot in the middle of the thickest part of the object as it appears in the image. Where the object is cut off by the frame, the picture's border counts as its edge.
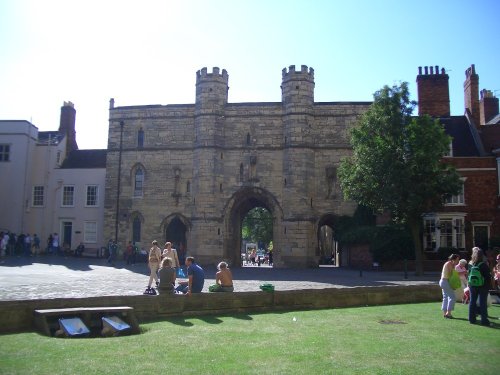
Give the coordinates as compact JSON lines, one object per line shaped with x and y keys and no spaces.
{"x":448,"y":293}
{"x":479,"y":291}
{"x":154,"y":259}
{"x":196,"y":278}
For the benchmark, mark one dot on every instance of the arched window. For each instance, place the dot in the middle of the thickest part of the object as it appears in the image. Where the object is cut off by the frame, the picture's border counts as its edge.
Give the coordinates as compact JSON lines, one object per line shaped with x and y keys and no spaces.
{"x":138,"y":182}
{"x":241,"y":172}
{"x":248,"y":139}
{"x":136,"y":230}
{"x":140,"y":138}
{"x":188,"y":187}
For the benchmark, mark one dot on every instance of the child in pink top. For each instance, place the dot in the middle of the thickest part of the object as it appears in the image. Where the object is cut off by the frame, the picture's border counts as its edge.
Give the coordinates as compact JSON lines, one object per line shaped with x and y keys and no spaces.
{"x":461,"y":268}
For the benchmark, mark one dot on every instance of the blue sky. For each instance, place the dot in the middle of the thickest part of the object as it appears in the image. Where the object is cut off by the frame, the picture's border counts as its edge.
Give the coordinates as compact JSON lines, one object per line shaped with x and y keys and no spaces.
{"x":148,"y":52}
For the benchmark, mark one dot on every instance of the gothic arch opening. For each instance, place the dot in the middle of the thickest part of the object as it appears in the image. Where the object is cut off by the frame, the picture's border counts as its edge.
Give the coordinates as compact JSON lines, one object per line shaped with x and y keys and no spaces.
{"x":328,"y":248}
{"x":175,"y":232}
{"x":240,"y":204}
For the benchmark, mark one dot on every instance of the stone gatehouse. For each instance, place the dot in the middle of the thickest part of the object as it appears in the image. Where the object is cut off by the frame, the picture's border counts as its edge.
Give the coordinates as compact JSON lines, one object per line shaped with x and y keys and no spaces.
{"x":189,"y":173}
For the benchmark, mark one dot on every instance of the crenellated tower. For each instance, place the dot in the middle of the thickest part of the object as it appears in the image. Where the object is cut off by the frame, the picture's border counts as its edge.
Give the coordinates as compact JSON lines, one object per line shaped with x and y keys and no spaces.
{"x":297,"y":96}
{"x":297,"y":89}
{"x":208,"y":168}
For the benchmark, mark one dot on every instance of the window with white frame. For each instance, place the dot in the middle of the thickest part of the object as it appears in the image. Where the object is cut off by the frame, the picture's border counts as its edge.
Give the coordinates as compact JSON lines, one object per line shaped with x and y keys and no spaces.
{"x":68,"y":196}
{"x":38,"y":196}
{"x":481,"y":233}
{"x":429,"y":234}
{"x":457,"y":200}
{"x":4,"y":153}
{"x":444,"y":231}
{"x":90,"y":231}
{"x":138,"y":182}
{"x":92,"y":196}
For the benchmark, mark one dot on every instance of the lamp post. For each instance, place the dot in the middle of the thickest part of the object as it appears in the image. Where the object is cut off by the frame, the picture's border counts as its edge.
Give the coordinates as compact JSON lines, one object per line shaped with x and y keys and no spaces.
{"x":119,"y":181}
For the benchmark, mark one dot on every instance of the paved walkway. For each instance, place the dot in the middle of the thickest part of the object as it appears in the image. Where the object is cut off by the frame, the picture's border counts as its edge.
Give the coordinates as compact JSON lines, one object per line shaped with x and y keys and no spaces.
{"x":58,"y":277}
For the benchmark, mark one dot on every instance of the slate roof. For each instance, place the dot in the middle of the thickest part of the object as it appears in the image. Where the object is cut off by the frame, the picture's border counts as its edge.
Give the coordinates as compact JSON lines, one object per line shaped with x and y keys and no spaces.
{"x":463,"y":142}
{"x":494,"y":121}
{"x":85,"y":159}
{"x":490,"y":135}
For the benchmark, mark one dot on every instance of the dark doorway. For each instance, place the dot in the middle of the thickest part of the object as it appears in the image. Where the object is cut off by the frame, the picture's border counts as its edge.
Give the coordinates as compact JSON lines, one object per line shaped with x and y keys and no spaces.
{"x":328,"y":249}
{"x":67,"y":233}
{"x":176,"y":233}
{"x":481,"y":236}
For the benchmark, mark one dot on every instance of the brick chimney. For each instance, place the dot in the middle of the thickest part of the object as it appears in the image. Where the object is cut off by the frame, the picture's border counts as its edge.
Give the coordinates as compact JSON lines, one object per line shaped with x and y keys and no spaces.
{"x":488,"y":106}
{"x":67,"y":126}
{"x":471,"y":93}
{"x":433,"y":92}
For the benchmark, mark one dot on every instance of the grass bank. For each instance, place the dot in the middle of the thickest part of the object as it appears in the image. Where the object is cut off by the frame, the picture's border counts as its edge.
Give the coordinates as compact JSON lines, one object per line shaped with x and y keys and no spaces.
{"x":400,"y":339}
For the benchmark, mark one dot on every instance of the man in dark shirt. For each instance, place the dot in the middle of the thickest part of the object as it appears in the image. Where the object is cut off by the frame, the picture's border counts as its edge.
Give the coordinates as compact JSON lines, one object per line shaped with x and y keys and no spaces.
{"x":196,"y":278}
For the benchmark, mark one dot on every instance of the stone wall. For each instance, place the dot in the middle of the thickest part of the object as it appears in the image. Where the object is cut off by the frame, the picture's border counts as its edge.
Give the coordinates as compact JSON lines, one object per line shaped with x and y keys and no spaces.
{"x":16,"y":316}
{"x":199,"y":160}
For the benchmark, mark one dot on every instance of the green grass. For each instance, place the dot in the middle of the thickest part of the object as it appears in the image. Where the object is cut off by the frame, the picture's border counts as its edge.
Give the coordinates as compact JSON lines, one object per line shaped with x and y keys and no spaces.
{"x":417,"y":340}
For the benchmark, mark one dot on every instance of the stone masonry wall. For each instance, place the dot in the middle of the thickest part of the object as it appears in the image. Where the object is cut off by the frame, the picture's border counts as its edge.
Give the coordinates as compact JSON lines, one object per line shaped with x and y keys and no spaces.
{"x":199,"y":160}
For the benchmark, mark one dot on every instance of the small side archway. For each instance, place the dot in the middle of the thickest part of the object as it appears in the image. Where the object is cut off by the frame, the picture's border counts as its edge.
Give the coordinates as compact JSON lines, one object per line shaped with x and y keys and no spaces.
{"x":328,"y":247}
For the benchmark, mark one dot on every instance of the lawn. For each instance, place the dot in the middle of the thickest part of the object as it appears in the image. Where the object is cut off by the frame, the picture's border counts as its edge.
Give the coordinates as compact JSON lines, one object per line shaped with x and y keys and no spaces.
{"x":400,"y":339}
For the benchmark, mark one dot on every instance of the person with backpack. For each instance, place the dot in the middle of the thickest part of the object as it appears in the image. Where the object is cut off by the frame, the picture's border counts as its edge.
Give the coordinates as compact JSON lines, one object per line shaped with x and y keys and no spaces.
{"x":449,"y":296}
{"x":479,"y":282}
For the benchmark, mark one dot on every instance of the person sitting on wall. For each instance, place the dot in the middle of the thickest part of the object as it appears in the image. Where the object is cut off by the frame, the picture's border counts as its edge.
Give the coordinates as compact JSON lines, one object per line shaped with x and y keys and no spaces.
{"x":167,"y":277}
{"x":79,"y":250}
{"x":196,"y":278}
{"x":66,"y":249}
{"x":223,"y":279}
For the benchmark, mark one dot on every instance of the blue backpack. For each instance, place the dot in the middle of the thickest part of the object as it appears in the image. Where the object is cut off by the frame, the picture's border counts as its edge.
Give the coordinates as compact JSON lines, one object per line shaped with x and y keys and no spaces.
{"x":475,"y":276}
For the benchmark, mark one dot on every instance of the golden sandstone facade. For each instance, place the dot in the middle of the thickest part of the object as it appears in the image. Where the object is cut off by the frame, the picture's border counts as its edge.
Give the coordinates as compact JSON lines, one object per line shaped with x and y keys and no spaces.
{"x":189,"y":173}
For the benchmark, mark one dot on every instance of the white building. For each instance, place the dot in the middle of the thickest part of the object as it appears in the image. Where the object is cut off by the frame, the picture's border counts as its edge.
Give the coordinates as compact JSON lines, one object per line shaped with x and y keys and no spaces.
{"x":48,"y":185}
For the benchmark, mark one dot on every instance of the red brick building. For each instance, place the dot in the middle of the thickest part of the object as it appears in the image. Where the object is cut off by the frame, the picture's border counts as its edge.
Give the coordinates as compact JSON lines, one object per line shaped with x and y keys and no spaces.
{"x":471,"y":218}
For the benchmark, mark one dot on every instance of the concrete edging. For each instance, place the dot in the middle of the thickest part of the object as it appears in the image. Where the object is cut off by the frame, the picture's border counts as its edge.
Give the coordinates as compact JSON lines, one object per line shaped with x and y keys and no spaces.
{"x":18,"y":316}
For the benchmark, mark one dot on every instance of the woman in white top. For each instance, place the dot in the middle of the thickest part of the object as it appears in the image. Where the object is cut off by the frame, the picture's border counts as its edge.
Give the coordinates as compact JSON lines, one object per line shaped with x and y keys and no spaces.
{"x":168,"y":252}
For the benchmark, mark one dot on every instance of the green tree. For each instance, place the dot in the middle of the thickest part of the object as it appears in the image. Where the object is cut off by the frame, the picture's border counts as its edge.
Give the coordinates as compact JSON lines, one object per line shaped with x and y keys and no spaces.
{"x":397,"y":164}
{"x":258,"y":226}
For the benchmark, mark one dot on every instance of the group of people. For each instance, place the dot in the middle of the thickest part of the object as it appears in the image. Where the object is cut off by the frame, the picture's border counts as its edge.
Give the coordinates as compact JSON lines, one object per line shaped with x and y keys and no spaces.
{"x":475,"y":278}
{"x":165,"y":268}
{"x":24,"y":244}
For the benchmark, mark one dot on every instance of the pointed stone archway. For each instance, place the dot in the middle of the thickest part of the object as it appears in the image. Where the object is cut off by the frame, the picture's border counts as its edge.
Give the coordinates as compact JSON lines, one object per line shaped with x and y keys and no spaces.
{"x":176,"y":228}
{"x":328,"y":249}
{"x":235,"y":210}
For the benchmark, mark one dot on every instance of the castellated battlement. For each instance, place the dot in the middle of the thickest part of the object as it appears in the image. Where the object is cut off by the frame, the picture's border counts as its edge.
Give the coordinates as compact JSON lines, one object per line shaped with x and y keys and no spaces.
{"x":293,"y":74}
{"x":203,"y":75}
{"x":429,"y":70}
